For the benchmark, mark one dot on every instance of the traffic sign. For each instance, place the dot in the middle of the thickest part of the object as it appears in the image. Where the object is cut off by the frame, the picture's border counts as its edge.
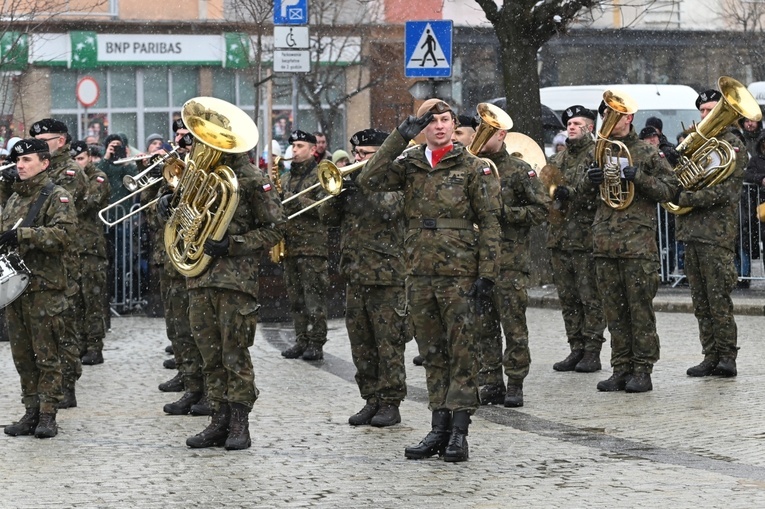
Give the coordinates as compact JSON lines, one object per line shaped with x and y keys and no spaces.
{"x":87,"y":91}
{"x":291,"y":37}
{"x":290,"y":12}
{"x":292,"y":61}
{"x":428,"y":49}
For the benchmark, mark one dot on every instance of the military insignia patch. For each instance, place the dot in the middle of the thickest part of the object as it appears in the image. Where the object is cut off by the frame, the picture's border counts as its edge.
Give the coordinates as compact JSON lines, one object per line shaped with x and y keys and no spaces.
{"x":63,"y":199}
{"x":70,"y":173}
{"x":532,"y":174}
{"x":99,"y":179}
{"x":267,"y":187}
{"x":486,"y":171}
{"x":736,"y":149}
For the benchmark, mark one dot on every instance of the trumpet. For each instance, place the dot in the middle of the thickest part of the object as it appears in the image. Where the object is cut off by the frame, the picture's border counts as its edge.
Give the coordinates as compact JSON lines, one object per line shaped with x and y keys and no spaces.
{"x":126,"y":160}
{"x":6,"y":166}
{"x":144,"y":179}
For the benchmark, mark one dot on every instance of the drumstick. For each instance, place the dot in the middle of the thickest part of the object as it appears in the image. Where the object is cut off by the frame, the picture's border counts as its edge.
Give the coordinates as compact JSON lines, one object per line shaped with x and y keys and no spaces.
{"x":17,"y":224}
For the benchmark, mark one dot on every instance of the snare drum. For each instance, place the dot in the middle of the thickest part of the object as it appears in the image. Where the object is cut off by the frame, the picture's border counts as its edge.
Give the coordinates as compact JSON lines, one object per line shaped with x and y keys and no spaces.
{"x":14,"y":278}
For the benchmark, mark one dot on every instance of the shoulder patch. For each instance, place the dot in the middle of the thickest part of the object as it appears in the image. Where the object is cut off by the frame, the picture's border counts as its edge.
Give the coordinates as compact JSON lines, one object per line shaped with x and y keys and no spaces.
{"x":70,"y":173}
{"x":99,"y":179}
{"x":736,"y":149}
{"x":532,"y":174}
{"x":661,"y":154}
{"x":486,"y":170}
{"x":400,"y":157}
{"x":266,"y":187}
{"x":63,"y":199}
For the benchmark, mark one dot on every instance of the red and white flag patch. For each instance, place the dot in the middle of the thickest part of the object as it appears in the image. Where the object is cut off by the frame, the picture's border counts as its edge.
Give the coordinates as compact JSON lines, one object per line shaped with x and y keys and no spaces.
{"x":100,"y":180}
{"x":63,"y":199}
{"x":486,"y":171}
{"x":267,"y":187}
{"x":532,"y":174}
{"x":70,"y":173}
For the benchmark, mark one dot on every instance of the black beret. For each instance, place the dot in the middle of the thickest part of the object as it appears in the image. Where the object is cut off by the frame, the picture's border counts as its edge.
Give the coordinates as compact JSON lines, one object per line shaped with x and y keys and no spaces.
{"x":298,"y":135}
{"x":602,"y":108}
{"x":648,"y":131}
{"x":368,"y":138}
{"x":113,"y":137}
{"x":576,"y":111}
{"x":467,"y":121}
{"x":48,"y":125}
{"x":28,"y":146}
{"x":708,"y":96}
{"x":655,"y":122}
{"x":178,"y":124}
{"x":78,"y":147}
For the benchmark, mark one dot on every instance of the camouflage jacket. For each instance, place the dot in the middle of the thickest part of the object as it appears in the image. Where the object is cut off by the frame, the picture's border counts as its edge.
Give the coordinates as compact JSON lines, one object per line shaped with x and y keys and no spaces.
{"x":64,"y":172}
{"x":115,"y":173}
{"x":631,"y":233}
{"x":714,"y":217}
{"x":306,"y":234}
{"x":42,"y":245}
{"x":90,"y":225}
{"x":256,"y":226}
{"x":524,"y":204}
{"x":155,"y":227}
{"x":371,"y":235}
{"x":574,"y":232}
{"x":441,"y":207}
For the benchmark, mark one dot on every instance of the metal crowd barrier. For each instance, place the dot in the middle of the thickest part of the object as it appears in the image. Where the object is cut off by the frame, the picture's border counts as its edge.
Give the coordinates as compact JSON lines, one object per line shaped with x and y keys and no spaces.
{"x":127,"y":250}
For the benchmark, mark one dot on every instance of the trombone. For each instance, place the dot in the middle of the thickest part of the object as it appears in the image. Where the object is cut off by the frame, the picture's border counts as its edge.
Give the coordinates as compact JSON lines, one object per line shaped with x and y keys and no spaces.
{"x":330,"y":179}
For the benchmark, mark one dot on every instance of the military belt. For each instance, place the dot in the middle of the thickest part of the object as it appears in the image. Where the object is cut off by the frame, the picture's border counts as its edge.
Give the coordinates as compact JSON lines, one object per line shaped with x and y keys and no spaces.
{"x":440,"y":222}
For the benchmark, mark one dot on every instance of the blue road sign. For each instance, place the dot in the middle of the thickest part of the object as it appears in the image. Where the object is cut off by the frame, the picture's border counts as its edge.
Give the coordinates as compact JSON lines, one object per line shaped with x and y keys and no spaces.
{"x":428,"y":49}
{"x":290,"y":12}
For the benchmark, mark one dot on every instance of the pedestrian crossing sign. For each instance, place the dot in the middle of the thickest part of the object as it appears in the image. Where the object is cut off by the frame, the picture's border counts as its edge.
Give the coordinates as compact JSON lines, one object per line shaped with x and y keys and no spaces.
{"x":428,"y":49}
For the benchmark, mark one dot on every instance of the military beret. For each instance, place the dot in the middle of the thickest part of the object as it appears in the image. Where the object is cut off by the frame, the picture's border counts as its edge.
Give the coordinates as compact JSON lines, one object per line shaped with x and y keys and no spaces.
{"x":467,"y":121}
{"x":178,"y":124}
{"x":708,"y":96}
{"x":368,"y":138}
{"x":78,"y":147}
{"x":28,"y":146}
{"x":298,"y":135}
{"x":434,"y":105}
{"x":48,"y":125}
{"x":648,"y":131}
{"x":576,"y":111}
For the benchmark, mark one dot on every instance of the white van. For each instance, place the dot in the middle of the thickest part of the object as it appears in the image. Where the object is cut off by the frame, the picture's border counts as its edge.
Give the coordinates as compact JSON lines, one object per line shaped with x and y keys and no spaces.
{"x":675,"y":105}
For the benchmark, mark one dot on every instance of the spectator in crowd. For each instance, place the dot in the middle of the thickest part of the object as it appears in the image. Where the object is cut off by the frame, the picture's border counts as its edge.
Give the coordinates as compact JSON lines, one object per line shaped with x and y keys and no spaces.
{"x":650,"y":135}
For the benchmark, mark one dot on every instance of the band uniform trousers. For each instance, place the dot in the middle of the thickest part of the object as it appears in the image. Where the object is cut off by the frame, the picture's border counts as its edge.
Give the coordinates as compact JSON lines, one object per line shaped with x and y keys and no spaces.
{"x":35,"y":324}
{"x":443,"y":319}
{"x":628,"y":286}
{"x":375,"y":316}
{"x":712,"y":275}
{"x":510,"y":296}
{"x":307,"y":281}
{"x":581,"y":305}
{"x":71,"y":346}
{"x":175,"y":299}
{"x":92,"y":288}
{"x":223,"y":322}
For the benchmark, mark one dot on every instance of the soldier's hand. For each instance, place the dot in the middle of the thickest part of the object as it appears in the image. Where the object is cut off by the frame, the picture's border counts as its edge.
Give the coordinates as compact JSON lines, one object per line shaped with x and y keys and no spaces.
{"x":629,"y":173}
{"x":672,"y":155}
{"x":10,"y":175}
{"x":481,"y":292}
{"x":596,"y":175}
{"x":163,"y":206}
{"x":561,"y":193}
{"x":10,"y":239}
{"x":216,"y":248}
{"x":412,"y":126}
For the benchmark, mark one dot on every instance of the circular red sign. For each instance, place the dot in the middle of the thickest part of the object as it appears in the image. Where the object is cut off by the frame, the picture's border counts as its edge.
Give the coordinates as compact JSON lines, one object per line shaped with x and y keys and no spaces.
{"x":88,"y":91}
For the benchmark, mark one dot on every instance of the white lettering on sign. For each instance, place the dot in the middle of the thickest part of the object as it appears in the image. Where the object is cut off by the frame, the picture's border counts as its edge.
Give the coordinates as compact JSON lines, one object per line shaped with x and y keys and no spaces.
{"x":159,"y":48}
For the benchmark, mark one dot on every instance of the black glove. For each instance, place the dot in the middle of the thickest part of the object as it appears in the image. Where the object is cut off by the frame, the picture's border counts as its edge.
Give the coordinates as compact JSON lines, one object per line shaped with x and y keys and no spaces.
{"x":10,"y":175}
{"x":481,"y":292}
{"x":676,"y":199}
{"x":629,"y":173}
{"x":10,"y":239}
{"x":561,"y":193}
{"x":156,"y":171}
{"x":216,"y":248}
{"x":412,"y":126}
{"x":163,"y":206}
{"x":596,"y":175}
{"x":672,"y":155}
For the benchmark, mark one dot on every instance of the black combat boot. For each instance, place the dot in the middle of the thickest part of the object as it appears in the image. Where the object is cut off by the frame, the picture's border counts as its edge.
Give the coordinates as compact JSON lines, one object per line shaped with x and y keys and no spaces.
{"x":69,"y":400}
{"x":492,"y":394}
{"x":26,"y":425}
{"x":238,"y":428}
{"x":294,"y":352}
{"x":590,"y":363}
{"x":435,"y":441}
{"x":175,"y":384}
{"x":640,"y":382}
{"x":183,"y":405}
{"x":705,"y":368}
{"x":47,"y":427}
{"x":570,"y":362}
{"x":514,"y":395}
{"x":615,"y":382}
{"x":726,"y":367}
{"x":169,"y":349}
{"x":457,"y":449}
{"x":418,"y":360}
{"x":92,"y":357}
{"x":313,"y":353}
{"x":364,"y":416}
{"x":216,"y":433}
{"x":387,"y":415}
{"x":202,"y":407}
{"x":170,"y":364}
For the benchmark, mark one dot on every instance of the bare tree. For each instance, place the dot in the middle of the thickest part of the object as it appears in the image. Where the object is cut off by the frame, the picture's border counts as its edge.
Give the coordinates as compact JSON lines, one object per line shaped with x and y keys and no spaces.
{"x":747,"y":16}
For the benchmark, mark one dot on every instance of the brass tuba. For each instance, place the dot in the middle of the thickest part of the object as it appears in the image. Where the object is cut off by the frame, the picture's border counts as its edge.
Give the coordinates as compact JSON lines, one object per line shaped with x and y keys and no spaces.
{"x":493,"y":119}
{"x":279,"y":251}
{"x":614,"y":191}
{"x":207,"y":194}
{"x":706,"y":161}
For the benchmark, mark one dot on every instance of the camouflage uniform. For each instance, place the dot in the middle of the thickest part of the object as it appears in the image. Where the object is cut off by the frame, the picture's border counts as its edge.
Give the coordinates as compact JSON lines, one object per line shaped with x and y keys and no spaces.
{"x":371,"y":260}
{"x":524,"y":204}
{"x":570,"y":242}
{"x":444,"y":254}
{"x":627,"y":258}
{"x":35,"y":320}
{"x":709,"y":233}
{"x":305,"y":265}
{"x":93,"y":260}
{"x":223,"y":299}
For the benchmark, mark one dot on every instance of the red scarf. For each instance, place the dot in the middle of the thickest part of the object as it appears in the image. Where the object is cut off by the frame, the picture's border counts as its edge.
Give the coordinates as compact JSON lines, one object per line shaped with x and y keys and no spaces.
{"x":439,"y":153}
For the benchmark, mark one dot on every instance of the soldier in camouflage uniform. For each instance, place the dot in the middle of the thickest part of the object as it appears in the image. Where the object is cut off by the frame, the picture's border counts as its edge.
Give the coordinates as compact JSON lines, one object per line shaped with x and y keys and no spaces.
{"x":451,"y":266}
{"x":524,"y":204}
{"x":372,"y":262}
{"x":93,"y":257}
{"x":627,"y":258}
{"x":306,"y":273}
{"x":35,"y":321}
{"x":223,"y":305}
{"x":709,"y":233}
{"x":569,"y":239}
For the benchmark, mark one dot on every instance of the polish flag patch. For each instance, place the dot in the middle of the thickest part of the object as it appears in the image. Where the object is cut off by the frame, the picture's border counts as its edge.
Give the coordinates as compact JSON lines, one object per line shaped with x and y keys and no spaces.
{"x":99,"y":180}
{"x":532,"y":174}
{"x":63,"y":199}
{"x":486,"y":171}
{"x":70,"y":173}
{"x":267,"y":187}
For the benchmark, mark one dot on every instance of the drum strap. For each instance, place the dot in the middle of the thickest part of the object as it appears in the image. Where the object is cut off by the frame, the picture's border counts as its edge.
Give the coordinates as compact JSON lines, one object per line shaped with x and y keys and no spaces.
{"x":37,"y":205}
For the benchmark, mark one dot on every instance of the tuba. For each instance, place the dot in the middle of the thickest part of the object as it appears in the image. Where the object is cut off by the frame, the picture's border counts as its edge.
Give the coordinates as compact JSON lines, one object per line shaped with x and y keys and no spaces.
{"x":207,"y":194}
{"x":706,"y":161}
{"x":615,"y":192}
{"x":278,"y":252}
{"x":493,"y":119}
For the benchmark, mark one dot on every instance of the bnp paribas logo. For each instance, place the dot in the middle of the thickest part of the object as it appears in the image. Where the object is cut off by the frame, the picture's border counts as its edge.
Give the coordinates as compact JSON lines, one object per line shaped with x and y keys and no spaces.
{"x":84,"y":49}
{"x":237,"y":50}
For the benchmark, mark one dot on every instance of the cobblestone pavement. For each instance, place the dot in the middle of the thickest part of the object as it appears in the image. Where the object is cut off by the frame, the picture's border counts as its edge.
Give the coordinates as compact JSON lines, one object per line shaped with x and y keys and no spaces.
{"x":690,"y":443}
